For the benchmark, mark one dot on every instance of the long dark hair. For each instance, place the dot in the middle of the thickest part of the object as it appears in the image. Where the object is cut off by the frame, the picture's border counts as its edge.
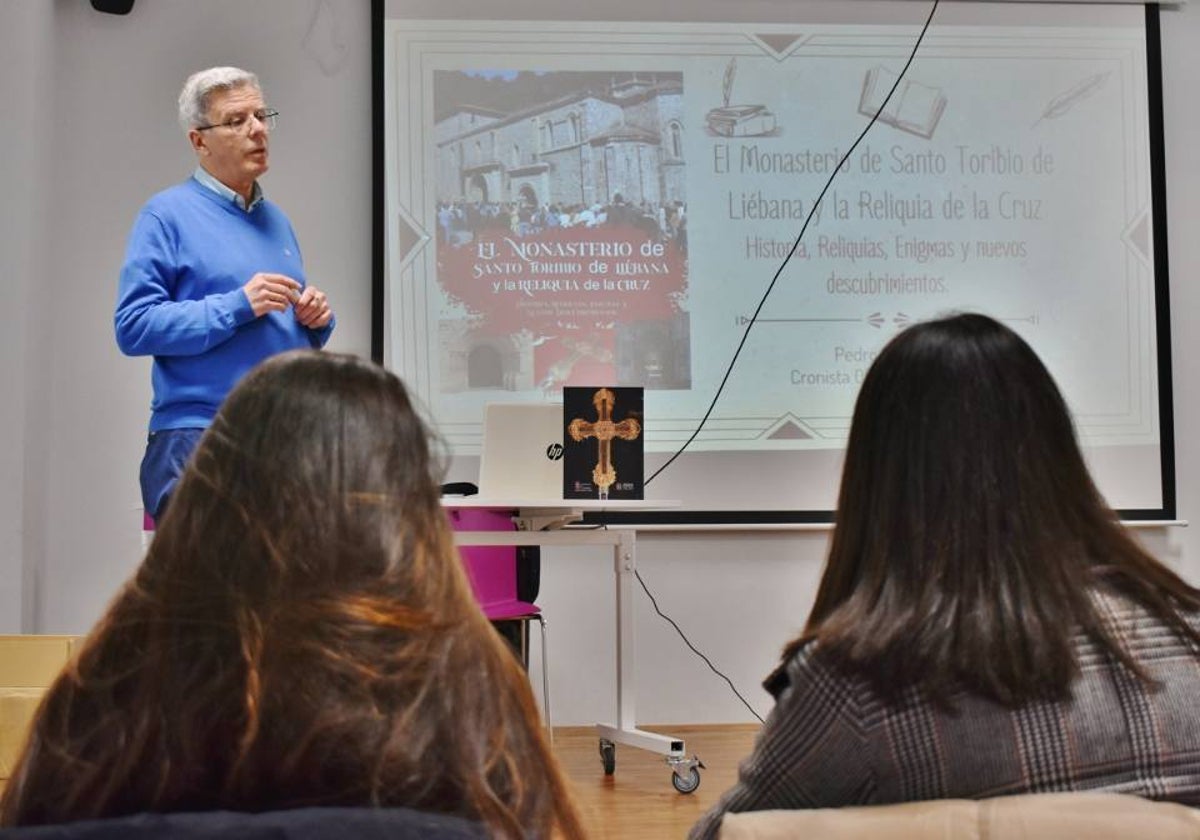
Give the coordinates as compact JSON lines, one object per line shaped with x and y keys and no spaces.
{"x":969,"y":537}
{"x":300,"y":633}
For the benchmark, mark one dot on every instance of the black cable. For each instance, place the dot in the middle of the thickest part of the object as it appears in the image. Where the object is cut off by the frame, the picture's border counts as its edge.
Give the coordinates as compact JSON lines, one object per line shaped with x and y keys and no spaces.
{"x":762,"y":302}
{"x":694,"y":649}
{"x":746,"y":335}
{"x":682,"y":635}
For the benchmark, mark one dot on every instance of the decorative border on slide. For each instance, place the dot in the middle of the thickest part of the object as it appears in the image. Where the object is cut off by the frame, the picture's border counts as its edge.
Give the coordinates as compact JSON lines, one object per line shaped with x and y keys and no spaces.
{"x":415,"y":48}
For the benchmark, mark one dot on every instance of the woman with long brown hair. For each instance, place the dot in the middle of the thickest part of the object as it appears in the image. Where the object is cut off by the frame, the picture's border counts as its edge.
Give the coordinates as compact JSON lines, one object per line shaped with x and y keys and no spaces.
{"x":300,"y":634}
{"x":984,"y":625}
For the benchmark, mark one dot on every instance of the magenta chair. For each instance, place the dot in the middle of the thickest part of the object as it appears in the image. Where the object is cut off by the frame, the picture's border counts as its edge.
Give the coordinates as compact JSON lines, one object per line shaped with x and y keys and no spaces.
{"x":147,"y":530}
{"x":493,"y":574}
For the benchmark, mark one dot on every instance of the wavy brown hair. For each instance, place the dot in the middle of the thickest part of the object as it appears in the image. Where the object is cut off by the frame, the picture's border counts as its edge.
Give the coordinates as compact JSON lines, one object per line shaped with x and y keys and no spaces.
{"x":970,"y":537}
{"x":300,"y":634}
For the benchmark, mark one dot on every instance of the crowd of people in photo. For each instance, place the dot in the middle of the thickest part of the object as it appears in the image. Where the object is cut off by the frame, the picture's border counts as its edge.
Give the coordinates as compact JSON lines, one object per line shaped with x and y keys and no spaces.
{"x":458,"y":222}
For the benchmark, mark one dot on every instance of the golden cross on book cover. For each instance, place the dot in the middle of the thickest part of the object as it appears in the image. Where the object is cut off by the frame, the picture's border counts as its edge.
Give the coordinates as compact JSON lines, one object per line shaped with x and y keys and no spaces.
{"x":603,"y":442}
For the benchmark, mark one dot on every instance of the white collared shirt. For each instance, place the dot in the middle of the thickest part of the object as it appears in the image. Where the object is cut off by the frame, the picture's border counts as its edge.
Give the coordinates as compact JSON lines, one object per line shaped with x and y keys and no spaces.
{"x":205,"y":177}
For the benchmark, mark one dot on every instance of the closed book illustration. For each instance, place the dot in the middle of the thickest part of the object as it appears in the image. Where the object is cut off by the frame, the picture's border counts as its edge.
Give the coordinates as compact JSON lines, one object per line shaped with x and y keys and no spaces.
{"x":603,"y":443}
{"x":741,"y":121}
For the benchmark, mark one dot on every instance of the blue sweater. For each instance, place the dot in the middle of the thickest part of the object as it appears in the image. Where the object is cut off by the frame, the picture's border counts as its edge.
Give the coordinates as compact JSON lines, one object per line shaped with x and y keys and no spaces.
{"x":181,"y":300}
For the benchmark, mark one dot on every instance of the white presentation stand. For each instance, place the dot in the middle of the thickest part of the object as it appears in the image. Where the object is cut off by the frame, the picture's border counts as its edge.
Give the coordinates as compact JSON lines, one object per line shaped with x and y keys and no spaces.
{"x":542,"y":522}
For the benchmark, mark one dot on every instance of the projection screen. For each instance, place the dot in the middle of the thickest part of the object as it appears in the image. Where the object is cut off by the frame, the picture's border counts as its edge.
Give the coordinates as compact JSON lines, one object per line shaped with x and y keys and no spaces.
{"x":601,"y":193}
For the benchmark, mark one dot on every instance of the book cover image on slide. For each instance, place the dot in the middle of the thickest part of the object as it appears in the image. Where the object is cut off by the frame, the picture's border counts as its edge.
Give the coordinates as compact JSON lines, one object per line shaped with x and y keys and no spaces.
{"x":603,"y":443}
{"x":561,"y":220}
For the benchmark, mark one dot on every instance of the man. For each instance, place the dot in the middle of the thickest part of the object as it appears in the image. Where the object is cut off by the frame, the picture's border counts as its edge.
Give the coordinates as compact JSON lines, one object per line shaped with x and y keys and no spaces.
{"x":213,"y":281}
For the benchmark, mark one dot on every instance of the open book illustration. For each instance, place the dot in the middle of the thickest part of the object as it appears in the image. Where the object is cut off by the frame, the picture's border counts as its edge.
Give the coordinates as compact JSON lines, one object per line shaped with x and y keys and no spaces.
{"x":739,"y":120}
{"x":914,"y":107}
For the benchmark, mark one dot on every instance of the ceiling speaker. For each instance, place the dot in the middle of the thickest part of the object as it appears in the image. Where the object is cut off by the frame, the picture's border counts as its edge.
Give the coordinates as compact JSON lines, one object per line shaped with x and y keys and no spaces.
{"x":113,"y":7}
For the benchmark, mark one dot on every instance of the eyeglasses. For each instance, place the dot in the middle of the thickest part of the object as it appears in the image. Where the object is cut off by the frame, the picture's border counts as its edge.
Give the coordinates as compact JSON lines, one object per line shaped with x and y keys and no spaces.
{"x":241,"y":122}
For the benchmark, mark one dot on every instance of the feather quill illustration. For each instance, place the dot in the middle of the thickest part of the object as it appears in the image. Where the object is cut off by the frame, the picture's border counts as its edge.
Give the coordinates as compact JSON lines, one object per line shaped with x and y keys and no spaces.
{"x":1067,"y":100}
{"x":727,"y":85}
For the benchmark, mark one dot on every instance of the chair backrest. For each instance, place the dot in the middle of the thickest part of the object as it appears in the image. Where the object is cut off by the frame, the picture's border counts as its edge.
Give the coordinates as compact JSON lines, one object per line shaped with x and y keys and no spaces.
{"x":491,"y":568}
{"x":1034,"y":816}
{"x":299,"y":824}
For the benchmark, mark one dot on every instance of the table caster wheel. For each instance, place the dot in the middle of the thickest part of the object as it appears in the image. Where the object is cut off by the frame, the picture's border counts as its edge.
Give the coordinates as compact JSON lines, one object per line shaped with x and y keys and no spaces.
{"x":608,"y":756}
{"x":686,"y":782}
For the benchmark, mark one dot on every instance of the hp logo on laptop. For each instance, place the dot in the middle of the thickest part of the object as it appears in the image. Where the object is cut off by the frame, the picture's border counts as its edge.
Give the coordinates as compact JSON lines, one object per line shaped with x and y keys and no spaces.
{"x":554,"y":451}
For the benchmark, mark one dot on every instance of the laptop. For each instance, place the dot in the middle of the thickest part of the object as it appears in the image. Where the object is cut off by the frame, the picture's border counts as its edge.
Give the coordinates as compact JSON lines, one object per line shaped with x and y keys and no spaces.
{"x":522,"y":451}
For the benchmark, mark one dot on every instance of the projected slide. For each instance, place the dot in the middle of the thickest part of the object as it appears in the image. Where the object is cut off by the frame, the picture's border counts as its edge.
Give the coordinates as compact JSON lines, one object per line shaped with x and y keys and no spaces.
{"x":586,"y":203}
{"x":563,"y":253}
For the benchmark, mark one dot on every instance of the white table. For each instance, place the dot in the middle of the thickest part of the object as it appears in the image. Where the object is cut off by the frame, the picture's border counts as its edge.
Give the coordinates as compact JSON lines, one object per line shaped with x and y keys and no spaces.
{"x":544,"y":522}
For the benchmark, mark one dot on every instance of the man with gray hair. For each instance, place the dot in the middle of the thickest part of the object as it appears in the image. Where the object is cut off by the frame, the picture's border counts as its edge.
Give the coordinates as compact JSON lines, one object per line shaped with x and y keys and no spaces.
{"x":213,"y":281}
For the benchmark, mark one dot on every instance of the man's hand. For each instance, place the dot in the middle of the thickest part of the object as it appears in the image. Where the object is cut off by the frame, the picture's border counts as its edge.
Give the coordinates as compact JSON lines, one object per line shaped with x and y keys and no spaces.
{"x":270,"y":293}
{"x":312,"y":308}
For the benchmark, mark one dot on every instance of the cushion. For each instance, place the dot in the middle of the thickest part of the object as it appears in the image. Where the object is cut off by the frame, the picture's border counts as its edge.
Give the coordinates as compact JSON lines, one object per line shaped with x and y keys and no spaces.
{"x":1094,"y":816}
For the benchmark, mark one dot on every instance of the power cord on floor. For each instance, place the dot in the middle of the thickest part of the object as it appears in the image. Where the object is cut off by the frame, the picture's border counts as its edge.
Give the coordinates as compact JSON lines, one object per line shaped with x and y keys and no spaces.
{"x":693,"y":648}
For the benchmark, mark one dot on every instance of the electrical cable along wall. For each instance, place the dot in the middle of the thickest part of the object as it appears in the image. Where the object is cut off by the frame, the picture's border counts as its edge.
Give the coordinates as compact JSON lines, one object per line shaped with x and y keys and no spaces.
{"x":610,"y":194}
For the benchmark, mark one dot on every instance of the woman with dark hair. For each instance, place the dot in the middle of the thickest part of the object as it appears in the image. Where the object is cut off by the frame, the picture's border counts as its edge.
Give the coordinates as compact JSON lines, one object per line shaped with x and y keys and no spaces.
{"x":300,"y":634}
{"x":984,"y":625}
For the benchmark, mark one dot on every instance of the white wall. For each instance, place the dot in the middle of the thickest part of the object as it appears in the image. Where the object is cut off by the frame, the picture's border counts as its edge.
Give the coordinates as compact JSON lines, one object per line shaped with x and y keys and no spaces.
{"x":25,"y":42}
{"x":90,"y":100}
{"x":89,"y":104}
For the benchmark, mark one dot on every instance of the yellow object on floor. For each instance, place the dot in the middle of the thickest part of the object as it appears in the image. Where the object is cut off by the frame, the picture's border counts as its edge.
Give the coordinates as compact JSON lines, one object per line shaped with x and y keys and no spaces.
{"x":28,"y":665}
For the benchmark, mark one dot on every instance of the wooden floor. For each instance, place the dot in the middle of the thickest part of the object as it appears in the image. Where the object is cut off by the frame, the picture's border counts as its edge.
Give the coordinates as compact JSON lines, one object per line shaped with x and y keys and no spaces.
{"x":638,"y":802}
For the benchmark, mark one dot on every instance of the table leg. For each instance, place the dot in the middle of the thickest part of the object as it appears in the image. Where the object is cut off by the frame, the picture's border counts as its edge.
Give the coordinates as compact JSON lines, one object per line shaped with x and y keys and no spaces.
{"x":626,"y":731}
